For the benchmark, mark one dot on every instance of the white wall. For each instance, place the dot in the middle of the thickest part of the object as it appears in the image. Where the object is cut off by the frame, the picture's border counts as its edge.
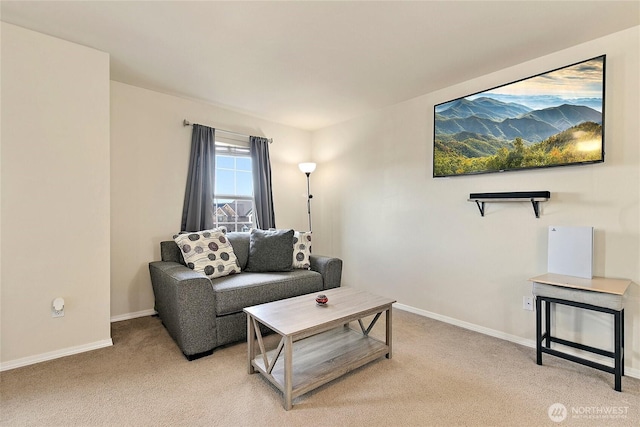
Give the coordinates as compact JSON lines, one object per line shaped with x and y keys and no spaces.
{"x":400,"y":232}
{"x":408,"y":236}
{"x":55,"y":197}
{"x":149,"y":159}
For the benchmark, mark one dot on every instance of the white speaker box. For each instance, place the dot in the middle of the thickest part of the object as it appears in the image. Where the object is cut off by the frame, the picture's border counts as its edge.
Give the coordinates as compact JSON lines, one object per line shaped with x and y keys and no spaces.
{"x":571,"y":251}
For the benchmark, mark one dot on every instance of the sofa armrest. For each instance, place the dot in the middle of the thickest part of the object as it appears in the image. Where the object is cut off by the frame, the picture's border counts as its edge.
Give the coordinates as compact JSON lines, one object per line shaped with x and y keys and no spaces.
{"x":185,"y":304}
{"x":330,"y":269}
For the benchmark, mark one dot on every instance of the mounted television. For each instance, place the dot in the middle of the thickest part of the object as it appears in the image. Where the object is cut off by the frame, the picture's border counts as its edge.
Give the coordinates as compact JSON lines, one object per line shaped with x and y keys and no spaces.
{"x":551,"y":119}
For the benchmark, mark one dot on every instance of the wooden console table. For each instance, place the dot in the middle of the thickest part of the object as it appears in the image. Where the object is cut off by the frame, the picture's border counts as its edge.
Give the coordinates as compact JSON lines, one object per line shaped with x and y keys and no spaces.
{"x":597,"y":294}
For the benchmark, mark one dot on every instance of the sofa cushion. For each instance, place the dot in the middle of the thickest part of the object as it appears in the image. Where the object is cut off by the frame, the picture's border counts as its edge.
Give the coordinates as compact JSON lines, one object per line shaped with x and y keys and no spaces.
{"x":233,"y":293}
{"x":240,"y":242}
{"x":270,"y":250}
{"x":208,"y":252}
{"x":169,"y":251}
{"x":301,"y":249}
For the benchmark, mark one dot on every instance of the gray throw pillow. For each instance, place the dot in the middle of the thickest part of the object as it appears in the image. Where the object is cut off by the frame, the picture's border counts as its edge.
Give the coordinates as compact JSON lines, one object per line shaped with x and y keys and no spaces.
{"x":270,"y":250}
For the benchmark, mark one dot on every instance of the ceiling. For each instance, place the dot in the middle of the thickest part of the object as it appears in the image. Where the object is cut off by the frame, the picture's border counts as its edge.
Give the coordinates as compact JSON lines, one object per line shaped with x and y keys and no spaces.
{"x":311,"y":64}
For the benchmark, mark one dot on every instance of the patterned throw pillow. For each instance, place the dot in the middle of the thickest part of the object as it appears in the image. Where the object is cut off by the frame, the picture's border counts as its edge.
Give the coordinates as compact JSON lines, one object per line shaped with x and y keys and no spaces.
{"x":208,"y":252}
{"x":301,"y":249}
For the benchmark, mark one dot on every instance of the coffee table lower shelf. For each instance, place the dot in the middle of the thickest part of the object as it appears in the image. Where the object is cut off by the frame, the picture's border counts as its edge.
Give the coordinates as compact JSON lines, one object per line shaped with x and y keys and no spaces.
{"x":322,"y":358}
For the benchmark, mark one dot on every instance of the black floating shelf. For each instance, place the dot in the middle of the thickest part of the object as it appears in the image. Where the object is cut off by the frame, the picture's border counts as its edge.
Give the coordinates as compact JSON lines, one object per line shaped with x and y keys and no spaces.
{"x":535,"y":197}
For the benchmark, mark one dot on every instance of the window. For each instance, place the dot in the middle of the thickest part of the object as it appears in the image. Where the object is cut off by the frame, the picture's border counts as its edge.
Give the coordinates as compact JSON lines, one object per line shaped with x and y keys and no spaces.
{"x":233,"y":201}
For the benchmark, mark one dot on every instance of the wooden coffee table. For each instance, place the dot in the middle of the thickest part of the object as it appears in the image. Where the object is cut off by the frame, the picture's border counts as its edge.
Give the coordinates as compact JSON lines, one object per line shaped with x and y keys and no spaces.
{"x":319,"y":346}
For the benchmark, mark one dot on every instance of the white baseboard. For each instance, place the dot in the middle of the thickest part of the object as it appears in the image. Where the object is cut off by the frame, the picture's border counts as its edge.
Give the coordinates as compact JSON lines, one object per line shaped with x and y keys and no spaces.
{"x":30,"y":360}
{"x":135,"y":315}
{"x":630,"y":372}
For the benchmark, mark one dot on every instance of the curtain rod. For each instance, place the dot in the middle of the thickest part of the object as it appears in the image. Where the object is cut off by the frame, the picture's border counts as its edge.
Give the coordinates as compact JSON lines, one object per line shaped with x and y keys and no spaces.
{"x":186,"y":122}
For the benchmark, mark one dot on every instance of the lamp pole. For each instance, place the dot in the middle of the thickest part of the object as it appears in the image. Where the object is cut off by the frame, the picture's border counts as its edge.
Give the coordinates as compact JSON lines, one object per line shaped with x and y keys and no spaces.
{"x":307,"y":168}
{"x":309,"y":197}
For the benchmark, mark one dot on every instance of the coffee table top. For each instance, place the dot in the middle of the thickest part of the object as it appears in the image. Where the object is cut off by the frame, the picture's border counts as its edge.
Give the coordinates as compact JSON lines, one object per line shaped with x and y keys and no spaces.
{"x":297,"y":315}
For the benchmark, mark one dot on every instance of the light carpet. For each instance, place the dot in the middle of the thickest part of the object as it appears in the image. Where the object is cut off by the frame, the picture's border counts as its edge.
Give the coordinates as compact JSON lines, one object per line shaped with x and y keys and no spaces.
{"x":440,"y":375}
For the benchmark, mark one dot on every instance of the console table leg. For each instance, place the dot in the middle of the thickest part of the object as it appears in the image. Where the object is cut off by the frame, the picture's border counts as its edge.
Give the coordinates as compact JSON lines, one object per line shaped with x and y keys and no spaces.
{"x":538,"y":330}
{"x":388,"y":339}
{"x":622,"y":341}
{"x":547,"y":323}
{"x":617,"y":351}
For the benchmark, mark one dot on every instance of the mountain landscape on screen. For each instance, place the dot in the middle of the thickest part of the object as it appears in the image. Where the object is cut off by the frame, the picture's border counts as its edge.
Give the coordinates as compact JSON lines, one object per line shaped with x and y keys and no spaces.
{"x":551,"y":119}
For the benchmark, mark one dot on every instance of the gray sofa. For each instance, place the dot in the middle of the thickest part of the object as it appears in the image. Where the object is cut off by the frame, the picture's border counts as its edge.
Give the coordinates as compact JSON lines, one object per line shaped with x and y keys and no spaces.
{"x":201,"y":314}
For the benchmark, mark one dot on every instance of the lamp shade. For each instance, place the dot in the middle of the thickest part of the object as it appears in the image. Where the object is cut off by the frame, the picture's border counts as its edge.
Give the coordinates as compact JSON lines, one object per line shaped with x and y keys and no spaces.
{"x":307,"y":167}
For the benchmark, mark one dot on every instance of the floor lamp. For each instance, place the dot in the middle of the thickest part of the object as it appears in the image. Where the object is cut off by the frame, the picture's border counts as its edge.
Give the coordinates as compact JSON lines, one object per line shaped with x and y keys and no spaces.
{"x":307,"y":168}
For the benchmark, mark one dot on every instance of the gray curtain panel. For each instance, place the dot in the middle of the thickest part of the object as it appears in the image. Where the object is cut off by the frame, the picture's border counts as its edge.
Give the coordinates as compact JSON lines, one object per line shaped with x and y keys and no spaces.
{"x":263,"y":199}
{"x":197,"y":212}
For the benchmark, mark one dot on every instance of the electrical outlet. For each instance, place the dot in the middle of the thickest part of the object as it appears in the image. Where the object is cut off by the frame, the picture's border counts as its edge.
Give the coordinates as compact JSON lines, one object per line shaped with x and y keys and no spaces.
{"x":527,"y":303}
{"x":57,"y":307}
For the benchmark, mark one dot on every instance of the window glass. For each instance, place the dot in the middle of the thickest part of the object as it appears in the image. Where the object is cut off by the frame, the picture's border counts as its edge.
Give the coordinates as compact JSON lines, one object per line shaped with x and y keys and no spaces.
{"x":243,"y":163}
{"x":225,"y":162}
{"x":244,"y":183}
{"x":233,"y":198}
{"x":225,"y":181}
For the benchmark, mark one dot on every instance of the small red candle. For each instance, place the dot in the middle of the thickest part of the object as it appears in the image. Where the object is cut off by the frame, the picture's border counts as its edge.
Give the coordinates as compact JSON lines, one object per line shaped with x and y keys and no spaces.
{"x":322,"y":299}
